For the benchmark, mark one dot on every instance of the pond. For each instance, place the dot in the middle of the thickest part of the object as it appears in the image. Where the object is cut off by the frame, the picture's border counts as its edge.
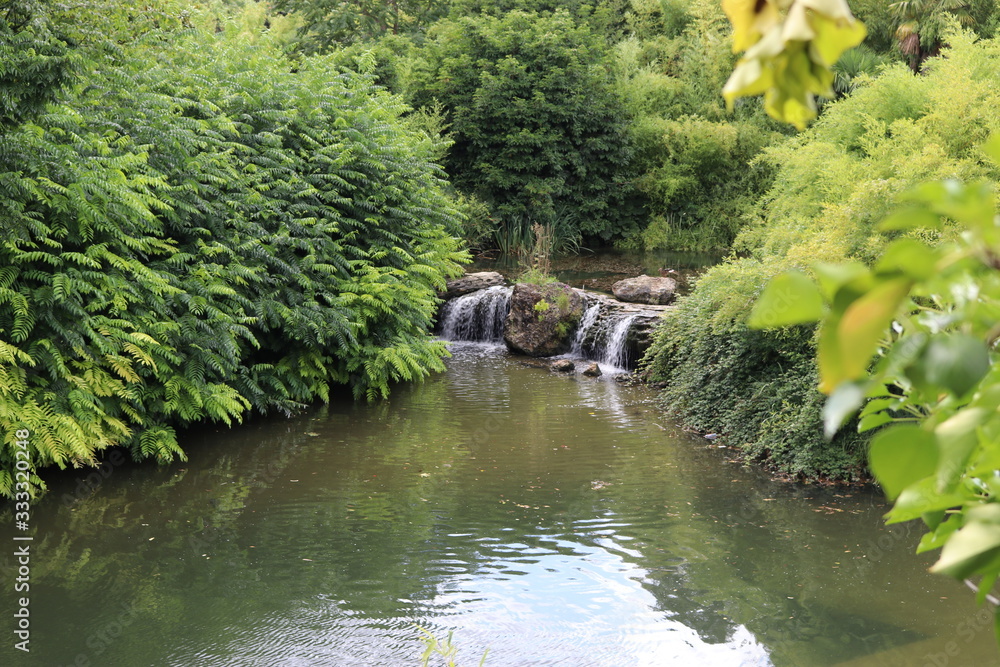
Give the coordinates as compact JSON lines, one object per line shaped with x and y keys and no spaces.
{"x":551,"y":519}
{"x":598,"y":270}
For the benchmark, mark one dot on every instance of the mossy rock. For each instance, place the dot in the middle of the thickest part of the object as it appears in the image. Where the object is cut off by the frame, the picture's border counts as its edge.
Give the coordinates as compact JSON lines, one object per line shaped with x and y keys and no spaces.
{"x":542,"y":319}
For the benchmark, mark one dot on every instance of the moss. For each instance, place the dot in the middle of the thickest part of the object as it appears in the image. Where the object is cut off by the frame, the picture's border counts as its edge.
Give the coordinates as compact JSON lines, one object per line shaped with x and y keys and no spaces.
{"x":562,"y":301}
{"x":541,"y":308}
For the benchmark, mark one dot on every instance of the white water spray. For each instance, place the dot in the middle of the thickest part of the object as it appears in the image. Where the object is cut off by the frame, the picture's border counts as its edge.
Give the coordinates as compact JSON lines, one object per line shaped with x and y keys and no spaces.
{"x":478,"y":316}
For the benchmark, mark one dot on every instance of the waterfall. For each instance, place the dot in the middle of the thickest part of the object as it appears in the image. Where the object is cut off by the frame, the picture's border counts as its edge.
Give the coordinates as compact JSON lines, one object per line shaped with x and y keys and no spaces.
{"x":602,"y":335}
{"x":615,"y":350}
{"x":586,"y":323}
{"x":477,"y":316}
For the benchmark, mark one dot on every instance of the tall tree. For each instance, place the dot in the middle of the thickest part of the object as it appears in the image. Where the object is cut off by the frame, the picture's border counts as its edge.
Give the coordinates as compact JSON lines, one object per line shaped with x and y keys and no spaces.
{"x":539,"y":130}
{"x":329,"y":23}
{"x":920,"y":24}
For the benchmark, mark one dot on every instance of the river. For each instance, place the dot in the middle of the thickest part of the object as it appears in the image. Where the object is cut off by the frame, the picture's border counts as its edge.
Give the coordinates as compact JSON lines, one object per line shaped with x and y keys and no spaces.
{"x":551,"y":519}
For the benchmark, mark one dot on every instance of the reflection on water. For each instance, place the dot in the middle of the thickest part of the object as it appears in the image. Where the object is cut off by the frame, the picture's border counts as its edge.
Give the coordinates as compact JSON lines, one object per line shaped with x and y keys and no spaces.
{"x":554,"y":520}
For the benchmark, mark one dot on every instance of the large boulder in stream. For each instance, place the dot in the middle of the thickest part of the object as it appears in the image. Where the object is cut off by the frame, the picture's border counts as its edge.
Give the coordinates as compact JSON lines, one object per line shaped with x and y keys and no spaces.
{"x":472,"y":282}
{"x":645,"y":289}
{"x":542,"y":319}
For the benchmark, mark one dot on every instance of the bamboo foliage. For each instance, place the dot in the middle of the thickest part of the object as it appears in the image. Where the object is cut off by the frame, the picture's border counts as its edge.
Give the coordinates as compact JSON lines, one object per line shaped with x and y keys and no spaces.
{"x":201,"y":230}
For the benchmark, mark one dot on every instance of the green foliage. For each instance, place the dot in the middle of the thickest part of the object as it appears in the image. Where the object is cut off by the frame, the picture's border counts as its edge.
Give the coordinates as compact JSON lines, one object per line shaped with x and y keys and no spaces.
{"x":537,"y":125}
{"x":34,"y":62}
{"x":853,"y":64}
{"x":327,"y":24}
{"x":927,"y":314}
{"x":385,"y":59}
{"x":698,"y":179}
{"x":602,"y":121}
{"x":755,"y":388}
{"x":649,"y":19}
{"x":479,"y":228}
{"x":605,"y":18}
{"x":208,"y":231}
{"x":536,"y":277}
{"x":445,"y":650}
{"x":911,"y":340}
{"x":541,"y":308}
{"x":920,"y":25}
{"x":833,"y":184}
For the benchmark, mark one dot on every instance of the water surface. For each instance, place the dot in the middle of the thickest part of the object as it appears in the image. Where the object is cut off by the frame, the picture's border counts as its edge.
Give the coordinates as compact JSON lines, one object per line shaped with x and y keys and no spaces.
{"x":553,"y":520}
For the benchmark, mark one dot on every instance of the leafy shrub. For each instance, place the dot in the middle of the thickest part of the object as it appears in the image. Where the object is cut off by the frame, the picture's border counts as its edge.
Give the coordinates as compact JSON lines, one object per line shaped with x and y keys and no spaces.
{"x":206,"y":232}
{"x":698,"y":177}
{"x":757,"y":389}
{"x":536,"y":124}
{"x":326,"y":24}
{"x":34,"y":62}
{"x":832,"y":185}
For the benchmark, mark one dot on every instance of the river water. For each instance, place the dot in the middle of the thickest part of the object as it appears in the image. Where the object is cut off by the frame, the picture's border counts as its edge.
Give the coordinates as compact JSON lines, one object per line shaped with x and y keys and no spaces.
{"x":551,"y":519}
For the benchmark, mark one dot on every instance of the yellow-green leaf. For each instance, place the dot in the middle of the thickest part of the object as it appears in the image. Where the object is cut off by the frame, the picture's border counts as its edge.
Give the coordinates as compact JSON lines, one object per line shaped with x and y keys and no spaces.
{"x":902,"y":455}
{"x":750,"y":19}
{"x":973,"y":547}
{"x":864,"y":324}
{"x":910,"y":257}
{"x":790,"y":298}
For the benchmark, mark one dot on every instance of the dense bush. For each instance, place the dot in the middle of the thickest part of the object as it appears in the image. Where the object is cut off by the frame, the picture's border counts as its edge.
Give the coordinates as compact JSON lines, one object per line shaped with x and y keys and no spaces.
{"x":833,"y":184}
{"x":603,"y":121}
{"x":539,"y":132}
{"x":208,"y":230}
{"x":34,"y":62}
{"x":697,"y":177}
{"x":756,"y":388}
{"x":328,"y":24}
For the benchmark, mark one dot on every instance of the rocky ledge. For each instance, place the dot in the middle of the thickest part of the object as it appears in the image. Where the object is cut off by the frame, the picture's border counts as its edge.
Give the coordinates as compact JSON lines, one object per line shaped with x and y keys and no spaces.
{"x":548,"y":320}
{"x":645,"y":289}
{"x":472,"y":282}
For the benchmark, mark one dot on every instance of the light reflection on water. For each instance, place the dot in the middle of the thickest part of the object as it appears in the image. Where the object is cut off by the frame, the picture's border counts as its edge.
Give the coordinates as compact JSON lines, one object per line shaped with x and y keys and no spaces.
{"x":554,"y":520}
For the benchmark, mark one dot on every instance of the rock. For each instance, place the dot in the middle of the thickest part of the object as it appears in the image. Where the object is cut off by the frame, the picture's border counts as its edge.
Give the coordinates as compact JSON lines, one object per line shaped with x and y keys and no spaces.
{"x":542,"y":319}
{"x":563,"y":366}
{"x":592,"y":371}
{"x":472,"y":282}
{"x":645,"y":289}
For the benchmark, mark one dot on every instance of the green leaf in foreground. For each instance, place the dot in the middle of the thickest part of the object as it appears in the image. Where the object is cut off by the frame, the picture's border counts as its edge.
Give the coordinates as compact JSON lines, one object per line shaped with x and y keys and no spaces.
{"x":975,"y":546}
{"x":846,"y":349}
{"x":844,"y":401}
{"x":790,"y":298}
{"x":902,"y":455}
{"x":956,"y":362}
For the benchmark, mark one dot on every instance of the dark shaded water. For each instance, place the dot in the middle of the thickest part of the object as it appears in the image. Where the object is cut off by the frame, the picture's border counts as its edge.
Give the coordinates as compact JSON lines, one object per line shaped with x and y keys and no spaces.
{"x":554,"y":520}
{"x":599,"y":270}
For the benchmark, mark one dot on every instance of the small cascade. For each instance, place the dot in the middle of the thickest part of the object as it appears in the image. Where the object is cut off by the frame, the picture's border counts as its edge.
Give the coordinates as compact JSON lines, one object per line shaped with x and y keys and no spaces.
{"x":478,"y":316}
{"x":615,"y":351}
{"x":603,"y":335}
{"x":582,"y":329}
